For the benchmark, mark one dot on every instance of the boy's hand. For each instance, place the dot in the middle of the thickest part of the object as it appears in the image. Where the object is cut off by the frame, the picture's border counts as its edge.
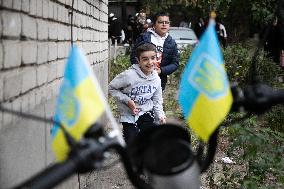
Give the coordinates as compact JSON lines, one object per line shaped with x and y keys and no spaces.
{"x":162,"y":120}
{"x":158,"y":70}
{"x":131,"y":104}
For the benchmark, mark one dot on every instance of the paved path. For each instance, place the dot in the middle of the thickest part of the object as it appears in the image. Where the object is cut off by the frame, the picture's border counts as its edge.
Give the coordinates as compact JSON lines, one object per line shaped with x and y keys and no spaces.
{"x":112,"y":178}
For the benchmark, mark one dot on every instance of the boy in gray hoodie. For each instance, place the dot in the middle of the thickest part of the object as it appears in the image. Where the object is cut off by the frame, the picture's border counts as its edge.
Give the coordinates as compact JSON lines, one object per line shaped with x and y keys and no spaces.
{"x":139,"y":94}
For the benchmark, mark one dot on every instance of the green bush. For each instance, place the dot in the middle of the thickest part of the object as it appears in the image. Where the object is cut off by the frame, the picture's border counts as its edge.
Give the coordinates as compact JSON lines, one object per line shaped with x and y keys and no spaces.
{"x":261,"y":139}
{"x":237,"y":61}
{"x":275,"y":119}
{"x":118,"y":65}
{"x":263,"y":150}
{"x":268,"y":71}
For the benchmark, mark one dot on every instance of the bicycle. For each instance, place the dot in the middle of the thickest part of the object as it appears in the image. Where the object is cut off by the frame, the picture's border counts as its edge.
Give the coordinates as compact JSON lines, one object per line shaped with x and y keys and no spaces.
{"x":167,"y":170}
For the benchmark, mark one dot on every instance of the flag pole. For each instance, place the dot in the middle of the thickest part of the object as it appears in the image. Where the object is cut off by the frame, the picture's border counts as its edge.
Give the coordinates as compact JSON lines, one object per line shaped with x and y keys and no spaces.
{"x":116,"y":131}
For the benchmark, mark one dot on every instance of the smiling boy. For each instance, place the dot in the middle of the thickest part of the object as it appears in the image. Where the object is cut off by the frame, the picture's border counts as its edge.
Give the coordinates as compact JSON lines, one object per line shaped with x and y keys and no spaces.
{"x":139,"y":94}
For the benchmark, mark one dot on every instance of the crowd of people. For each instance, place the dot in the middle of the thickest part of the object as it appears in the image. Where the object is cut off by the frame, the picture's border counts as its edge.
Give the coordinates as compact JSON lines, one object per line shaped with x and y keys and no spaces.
{"x":135,"y":25}
{"x":139,"y":23}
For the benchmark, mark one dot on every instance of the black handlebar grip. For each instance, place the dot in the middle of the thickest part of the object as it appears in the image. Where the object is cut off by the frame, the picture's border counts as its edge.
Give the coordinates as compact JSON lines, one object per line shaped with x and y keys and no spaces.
{"x":277,"y":97}
{"x":256,"y":98}
{"x":53,"y":175}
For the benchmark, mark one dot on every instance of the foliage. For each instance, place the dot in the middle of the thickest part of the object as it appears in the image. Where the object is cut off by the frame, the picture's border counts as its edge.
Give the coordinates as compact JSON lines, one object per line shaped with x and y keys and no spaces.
{"x":263,"y":150}
{"x":118,"y":65}
{"x":261,"y":139}
{"x":262,"y":11}
{"x":204,"y":6}
{"x":268,"y":71}
{"x":241,"y":18}
{"x":275,"y":119}
{"x":238,"y":60}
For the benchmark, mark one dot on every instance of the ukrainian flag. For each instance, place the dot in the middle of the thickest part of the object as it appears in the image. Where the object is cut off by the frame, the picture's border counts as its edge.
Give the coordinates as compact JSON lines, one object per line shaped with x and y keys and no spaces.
{"x":204,"y":95}
{"x":80,"y":103}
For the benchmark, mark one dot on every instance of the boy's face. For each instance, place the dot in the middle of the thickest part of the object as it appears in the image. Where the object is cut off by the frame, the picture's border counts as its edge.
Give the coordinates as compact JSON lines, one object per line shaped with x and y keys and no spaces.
{"x":147,"y":61}
{"x":162,"y":25}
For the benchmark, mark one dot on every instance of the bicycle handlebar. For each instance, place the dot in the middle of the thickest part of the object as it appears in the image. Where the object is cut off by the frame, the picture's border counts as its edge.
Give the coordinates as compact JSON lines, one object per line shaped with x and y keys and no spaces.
{"x":88,"y":154}
{"x":85,"y":156}
{"x":256,"y":98}
{"x":52,"y":175}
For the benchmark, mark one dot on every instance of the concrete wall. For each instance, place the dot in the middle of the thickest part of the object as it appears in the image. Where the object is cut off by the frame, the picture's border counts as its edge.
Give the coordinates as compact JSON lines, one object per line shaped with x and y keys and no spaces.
{"x":34,"y":44}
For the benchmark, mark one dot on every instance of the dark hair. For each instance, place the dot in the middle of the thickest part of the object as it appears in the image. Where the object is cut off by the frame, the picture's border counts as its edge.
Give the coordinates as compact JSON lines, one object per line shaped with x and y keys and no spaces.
{"x":155,"y":17}
{"x":143,"y":47}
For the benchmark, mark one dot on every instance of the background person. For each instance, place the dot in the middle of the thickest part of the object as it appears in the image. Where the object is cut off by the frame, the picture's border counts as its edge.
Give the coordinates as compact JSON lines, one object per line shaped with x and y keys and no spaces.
{"x":185,"y":23}
{"x":273,"y":41}
{"x":115,"y":29}
{"x":223,"y":34}
{"x":199,"y":27}
{"x":167,"y":52}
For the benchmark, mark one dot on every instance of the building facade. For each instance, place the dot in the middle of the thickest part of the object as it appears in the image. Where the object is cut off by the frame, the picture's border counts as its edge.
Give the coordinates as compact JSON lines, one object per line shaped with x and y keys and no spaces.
{"x":34,"y":46}
{"x":123,"y":8}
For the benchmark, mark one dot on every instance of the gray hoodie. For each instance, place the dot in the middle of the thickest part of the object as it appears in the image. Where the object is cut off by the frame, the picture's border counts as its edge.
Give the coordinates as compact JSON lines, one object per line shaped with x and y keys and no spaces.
{"x":144,"y":90}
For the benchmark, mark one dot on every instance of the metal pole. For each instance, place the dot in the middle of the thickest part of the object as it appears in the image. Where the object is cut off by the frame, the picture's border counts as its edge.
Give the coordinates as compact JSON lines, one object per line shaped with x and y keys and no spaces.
{"x":115,"y":46}
{"x":71,"y":14}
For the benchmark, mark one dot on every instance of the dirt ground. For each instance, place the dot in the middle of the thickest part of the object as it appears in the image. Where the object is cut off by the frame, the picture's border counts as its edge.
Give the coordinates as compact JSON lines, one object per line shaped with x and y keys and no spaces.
{"x":112,"y":178}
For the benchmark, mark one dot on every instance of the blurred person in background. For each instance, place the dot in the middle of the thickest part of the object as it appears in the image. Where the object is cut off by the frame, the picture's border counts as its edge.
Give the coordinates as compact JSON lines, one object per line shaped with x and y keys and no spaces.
{"x":199,"y":27}
{"x":273,"y":41}
{"x":185,"y":23}
{"x":114,"y":29}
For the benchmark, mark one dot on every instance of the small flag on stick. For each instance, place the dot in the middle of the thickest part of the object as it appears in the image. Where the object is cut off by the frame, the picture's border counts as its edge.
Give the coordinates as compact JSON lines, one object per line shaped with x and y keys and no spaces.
{"x":80,"y":103}
{"x":204,"y":95}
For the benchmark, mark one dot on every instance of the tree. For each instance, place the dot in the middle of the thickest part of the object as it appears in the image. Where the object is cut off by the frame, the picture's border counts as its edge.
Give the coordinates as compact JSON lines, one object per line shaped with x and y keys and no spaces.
{"x":242,"y":17}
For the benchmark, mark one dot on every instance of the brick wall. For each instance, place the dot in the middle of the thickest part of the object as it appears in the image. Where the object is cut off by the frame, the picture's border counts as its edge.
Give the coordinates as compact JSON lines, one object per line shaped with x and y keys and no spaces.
{"x":34,"y":45}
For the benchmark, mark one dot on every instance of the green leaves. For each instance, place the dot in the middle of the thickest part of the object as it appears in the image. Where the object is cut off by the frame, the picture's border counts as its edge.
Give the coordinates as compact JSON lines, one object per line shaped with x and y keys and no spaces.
{"x":118,"y":65}
{"x":263,"y":150}
{"x":262,"y":11}
{"x":237,"y":61}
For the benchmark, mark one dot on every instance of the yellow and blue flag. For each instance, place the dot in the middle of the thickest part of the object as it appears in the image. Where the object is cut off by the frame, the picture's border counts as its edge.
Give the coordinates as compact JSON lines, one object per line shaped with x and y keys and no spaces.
{"x":79,"y":104}
{"x":204,"y":95}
